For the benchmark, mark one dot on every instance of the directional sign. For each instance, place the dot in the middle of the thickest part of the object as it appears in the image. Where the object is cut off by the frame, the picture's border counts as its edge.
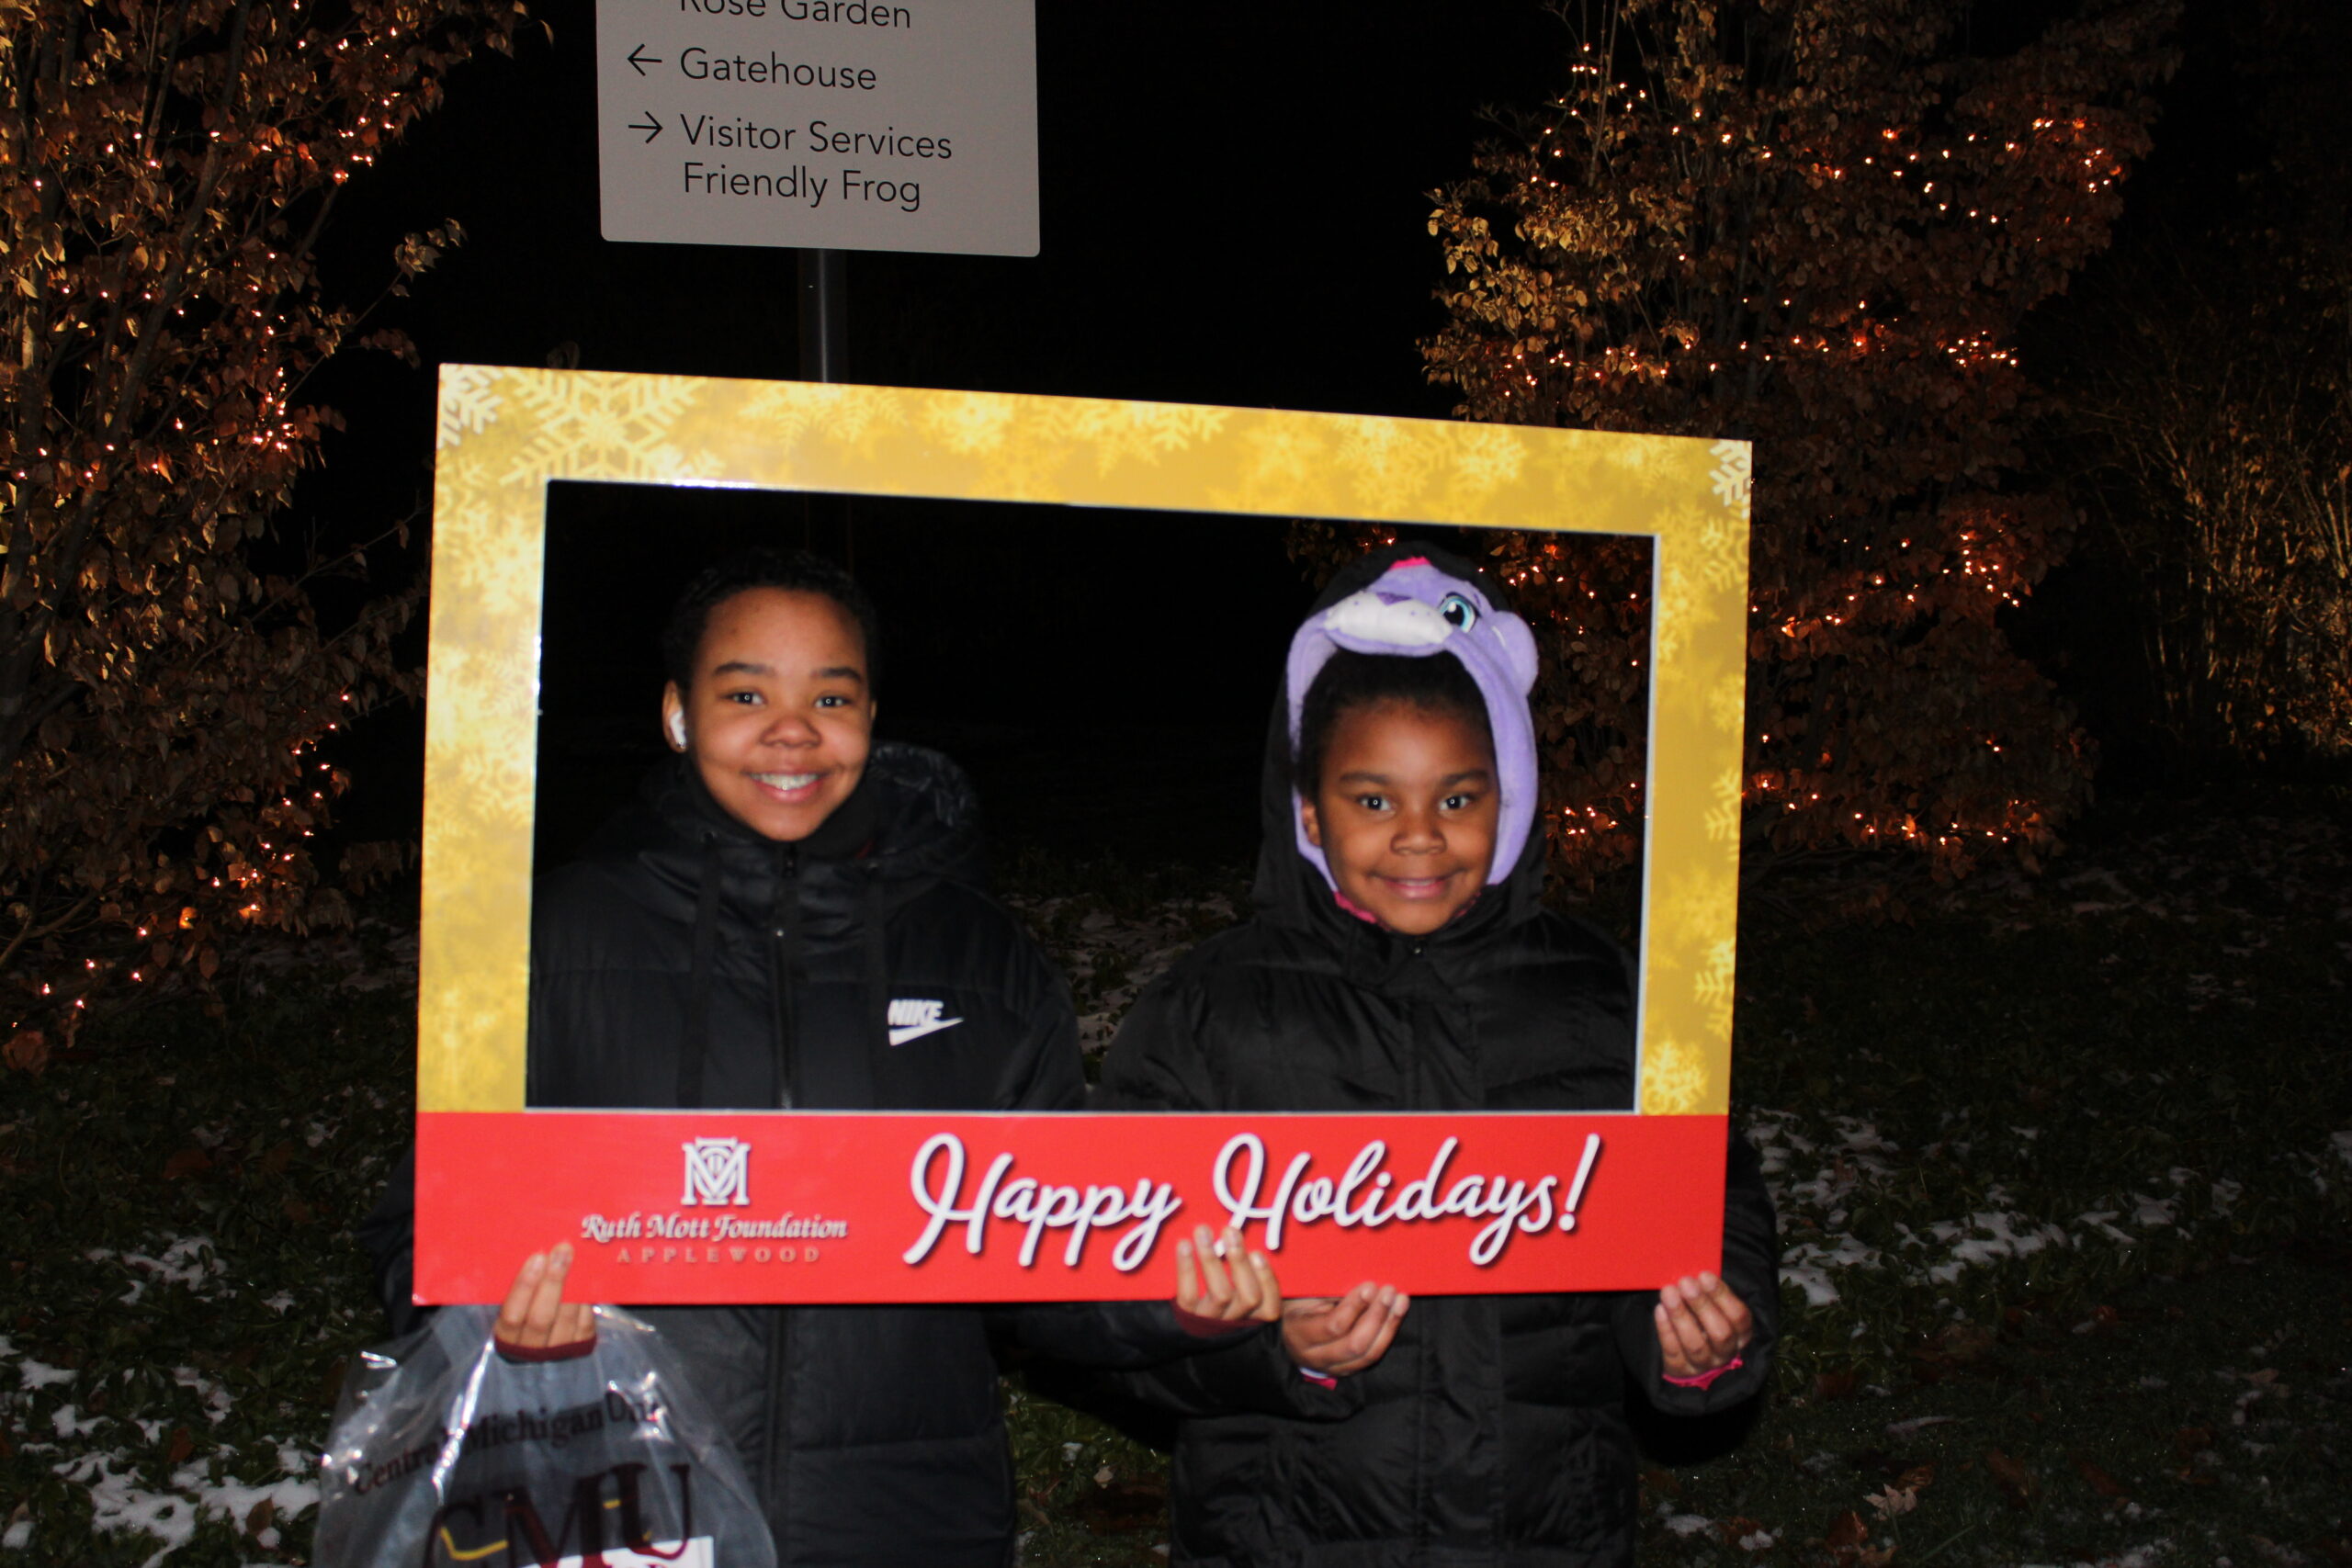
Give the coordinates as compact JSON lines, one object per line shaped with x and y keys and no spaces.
{"x":866,"y":125}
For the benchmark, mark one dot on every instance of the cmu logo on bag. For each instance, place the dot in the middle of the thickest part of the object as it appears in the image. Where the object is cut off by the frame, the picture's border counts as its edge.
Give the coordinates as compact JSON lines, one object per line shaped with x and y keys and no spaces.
{"x":719,"y":1171}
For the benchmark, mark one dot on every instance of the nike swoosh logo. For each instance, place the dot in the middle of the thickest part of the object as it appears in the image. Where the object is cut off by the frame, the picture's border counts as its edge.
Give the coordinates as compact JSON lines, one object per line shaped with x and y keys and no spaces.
{"x":917,"y":1031}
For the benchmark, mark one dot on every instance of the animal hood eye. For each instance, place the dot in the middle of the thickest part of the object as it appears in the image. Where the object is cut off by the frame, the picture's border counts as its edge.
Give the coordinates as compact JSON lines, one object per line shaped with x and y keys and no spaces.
{"x":1459,"y":612}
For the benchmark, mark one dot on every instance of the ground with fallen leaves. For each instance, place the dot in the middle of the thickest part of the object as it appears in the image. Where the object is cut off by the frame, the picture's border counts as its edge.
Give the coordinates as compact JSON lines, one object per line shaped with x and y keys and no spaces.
{"x":2063,"y":1164}
{"x":2191,"y":1420}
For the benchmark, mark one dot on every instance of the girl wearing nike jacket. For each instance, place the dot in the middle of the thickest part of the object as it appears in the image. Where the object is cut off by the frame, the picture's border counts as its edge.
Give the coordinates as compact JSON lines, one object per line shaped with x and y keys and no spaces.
{"x":792,"y":916}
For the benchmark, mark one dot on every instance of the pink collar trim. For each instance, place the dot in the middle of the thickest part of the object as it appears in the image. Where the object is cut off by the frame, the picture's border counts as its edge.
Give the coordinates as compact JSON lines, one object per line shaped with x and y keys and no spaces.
{"x":1368,"y":917}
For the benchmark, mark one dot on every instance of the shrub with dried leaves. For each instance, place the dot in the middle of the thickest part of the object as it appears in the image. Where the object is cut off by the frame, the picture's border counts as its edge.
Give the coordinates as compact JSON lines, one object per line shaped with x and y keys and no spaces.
{"x":167,"y":674}
{"x":1815,"y":225}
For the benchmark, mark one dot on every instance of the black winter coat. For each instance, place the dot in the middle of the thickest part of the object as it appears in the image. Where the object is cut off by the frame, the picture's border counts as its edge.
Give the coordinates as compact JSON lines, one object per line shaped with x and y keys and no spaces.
{"x":1494,"y":1429}
{"x":684,"y":961}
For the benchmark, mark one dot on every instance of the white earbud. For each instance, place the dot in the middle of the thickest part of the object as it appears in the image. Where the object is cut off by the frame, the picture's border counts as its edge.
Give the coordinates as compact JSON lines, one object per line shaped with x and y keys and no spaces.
{"x":678,"y":730}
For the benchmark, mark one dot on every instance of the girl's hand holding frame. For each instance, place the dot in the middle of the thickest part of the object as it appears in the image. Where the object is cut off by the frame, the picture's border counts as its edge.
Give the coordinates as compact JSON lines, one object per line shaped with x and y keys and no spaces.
{"x":1702,"y":1327}
{"x":1347,"y":1334}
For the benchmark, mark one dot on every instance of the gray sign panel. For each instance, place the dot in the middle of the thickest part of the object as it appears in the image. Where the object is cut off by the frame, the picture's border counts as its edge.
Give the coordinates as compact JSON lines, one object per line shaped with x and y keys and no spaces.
{"x":867,"y":125}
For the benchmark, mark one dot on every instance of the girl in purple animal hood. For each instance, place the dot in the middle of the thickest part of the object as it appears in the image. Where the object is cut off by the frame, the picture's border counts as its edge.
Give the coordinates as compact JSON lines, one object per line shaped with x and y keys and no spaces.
{"x":1401,"y":958}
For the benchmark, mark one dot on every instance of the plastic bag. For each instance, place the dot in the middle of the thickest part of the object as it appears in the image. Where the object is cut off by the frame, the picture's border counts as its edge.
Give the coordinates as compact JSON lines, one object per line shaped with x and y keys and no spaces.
{"x":444,"y":1453}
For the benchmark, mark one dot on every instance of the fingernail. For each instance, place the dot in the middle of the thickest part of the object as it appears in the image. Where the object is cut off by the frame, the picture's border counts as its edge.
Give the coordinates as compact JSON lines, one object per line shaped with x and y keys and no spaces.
{"x":1707,"y":1281}
{"x":561,"y":1255}
{"x":1183,"y":1249}
{"x":533,"y":1264}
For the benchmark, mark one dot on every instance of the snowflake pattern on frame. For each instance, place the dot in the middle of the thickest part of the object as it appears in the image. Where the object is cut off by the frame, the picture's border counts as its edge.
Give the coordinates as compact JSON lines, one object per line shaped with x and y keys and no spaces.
{"x":1489,"y":457}
{"x":467,"y":404}
{"x":1141,"y":432}
{"x":1734,"y":467}
{"x":608,"y":427}
{"x":1713,"y":984}
{"x":853,"y":420}
{"x":1674,"y":1078}
{"x":1723,"y":549}
{"x":971,"y":424}
{"x":1382,"y":460}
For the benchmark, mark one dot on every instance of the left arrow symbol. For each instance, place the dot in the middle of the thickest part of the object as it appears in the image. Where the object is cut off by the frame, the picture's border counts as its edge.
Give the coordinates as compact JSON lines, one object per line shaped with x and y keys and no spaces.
{"x":650,"y":126}
{"x":639,"y":58}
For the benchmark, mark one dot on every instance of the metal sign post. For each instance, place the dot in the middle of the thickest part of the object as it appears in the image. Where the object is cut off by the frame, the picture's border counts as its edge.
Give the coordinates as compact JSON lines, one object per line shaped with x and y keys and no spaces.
{"x":824,"y":356}
{"x":824,"y":315}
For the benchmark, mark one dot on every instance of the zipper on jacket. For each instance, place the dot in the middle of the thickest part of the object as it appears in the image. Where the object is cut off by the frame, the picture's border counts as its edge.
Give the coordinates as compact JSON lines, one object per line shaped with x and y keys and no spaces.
{"x":784,"y":931}
{"x":776,"y":1457}
{"x":775,"y":1452}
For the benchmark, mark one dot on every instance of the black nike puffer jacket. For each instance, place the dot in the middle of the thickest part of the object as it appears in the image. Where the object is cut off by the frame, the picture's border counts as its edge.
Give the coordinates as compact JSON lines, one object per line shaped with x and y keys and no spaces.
{"x":684,"y":961}
{"x":1495,"y":1430}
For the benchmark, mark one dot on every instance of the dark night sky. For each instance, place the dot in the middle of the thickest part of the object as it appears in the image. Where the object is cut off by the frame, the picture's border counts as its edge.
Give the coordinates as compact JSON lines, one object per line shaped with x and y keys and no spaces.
{"x":1232,"y":211}
{"x":1232,"y":204}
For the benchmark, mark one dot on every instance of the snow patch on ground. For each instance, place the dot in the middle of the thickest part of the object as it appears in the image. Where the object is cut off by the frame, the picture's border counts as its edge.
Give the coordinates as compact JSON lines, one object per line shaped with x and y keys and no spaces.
{"x":216,"y":1403}
{"x":123,"y":1497}
{"x":1820,"y":1169}
{"x":1998,"y":1234}
{"x":191,"y":1261}
{"x":34,"y":1375}
{"x":120,"y":1501}
{"x":1807,"y":1266}
{"x":70,"y":1422}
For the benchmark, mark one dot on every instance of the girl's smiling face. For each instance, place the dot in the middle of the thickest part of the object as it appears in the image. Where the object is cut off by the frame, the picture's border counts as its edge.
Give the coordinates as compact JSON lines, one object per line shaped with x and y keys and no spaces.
{"x":1405,"y":813}
{"x":780,"y":716}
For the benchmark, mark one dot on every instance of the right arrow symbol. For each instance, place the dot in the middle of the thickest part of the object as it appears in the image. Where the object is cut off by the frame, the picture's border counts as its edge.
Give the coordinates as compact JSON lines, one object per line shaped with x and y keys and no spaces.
{"x":639,"y":58}
{"x":650,"y":126}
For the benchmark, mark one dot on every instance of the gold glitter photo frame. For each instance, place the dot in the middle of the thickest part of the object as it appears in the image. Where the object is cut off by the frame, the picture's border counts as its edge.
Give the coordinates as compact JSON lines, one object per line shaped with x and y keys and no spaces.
{"x":504,"y":435}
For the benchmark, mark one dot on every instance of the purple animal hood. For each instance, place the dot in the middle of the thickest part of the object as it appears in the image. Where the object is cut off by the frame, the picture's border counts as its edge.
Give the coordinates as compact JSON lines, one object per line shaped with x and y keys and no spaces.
{"x":1416,"y":610}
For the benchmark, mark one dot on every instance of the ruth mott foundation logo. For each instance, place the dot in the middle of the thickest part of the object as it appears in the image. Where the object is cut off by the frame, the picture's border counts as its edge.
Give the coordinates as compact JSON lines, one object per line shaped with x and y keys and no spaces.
{"x":719,"y":1172}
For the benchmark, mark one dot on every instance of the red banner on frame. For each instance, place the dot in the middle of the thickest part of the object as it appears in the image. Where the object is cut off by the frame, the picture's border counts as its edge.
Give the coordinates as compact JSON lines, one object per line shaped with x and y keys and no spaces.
{"x":817,"y":1206}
